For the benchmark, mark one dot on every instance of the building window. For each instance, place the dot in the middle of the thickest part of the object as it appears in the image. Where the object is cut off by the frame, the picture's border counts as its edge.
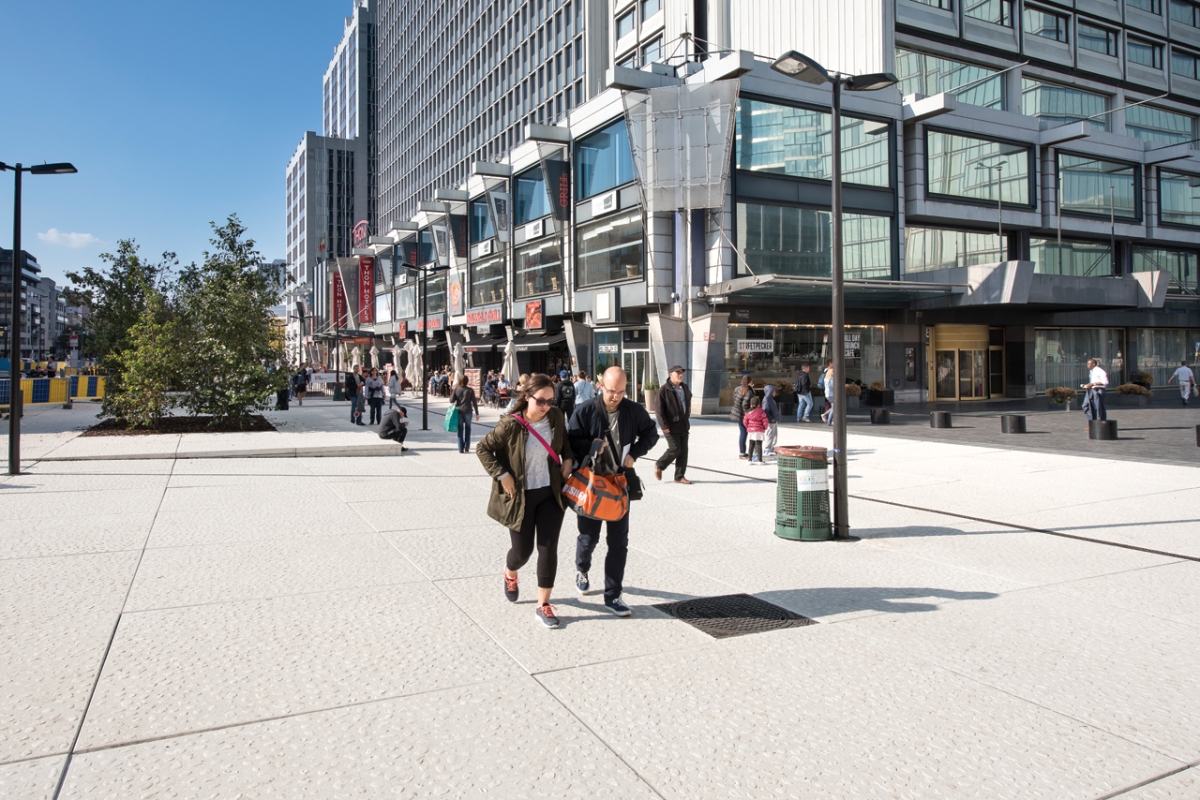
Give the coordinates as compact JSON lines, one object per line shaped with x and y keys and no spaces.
{"x":1061,"y":355}
{"x":1045,"y":24}
{"x":1139,"y":51}
{"x":784,"y":240}
{"x":436,"y":298}
{"x":1180,"y":264}
{"x":1096,"y":39}
{"x":611,"y":249}
{"x":797,"y":141}
{"x":945,"y":5}
{"x":480,"y":221}
{"x":537,"y":269}
{"x":1178,"y":198}
{"x":487,"y":281}
{"x":530,"y":202}
{"x":1185,"y":13}
{"x":425,"y":254}
{"x":625,"y":24}
{"x":650,"y":8}
{"x":1062,"y":105}
{"x":969,"y":168}
{"x":1151,"y":6}
{"x":796,"y":345}
{"x":1090,"y":186}
{"x":603,"y":161}
{"x":997,"y":12}
{"x":652,"y":52}
{"x":1161,"y":349}
{"x":936,"y":248}
{"x":630,"y":62}
{"x":1158,"y":125}
{"x":922,"y":73}
{"x":1185,"y":64}
{"x":1082,"y":259}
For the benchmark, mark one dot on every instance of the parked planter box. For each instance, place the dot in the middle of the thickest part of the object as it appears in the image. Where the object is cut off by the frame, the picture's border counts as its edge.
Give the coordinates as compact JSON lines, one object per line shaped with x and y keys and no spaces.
{"x":787,"y":407}
{"x":1114,"y":400}
{"x":886,"y":397}
{"x":852,"y":403}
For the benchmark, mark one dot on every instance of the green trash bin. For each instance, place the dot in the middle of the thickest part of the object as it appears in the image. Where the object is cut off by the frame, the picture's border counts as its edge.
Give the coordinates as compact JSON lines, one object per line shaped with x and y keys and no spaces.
{"x":802,"y":495}
{"x":339,"y":392}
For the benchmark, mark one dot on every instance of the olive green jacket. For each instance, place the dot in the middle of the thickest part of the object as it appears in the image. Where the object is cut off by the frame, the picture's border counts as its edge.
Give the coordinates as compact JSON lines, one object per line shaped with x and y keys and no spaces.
{"x":503,"y":450}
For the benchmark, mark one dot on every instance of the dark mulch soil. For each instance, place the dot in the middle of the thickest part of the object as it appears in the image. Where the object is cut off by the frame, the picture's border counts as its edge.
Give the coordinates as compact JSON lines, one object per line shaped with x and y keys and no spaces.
{"x":111,"y":427}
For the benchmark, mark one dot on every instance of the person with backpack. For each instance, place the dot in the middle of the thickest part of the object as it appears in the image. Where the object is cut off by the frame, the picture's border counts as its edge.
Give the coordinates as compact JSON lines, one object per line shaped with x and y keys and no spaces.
{"x":564,"y":394}
{"x":300,"y":386}
{"x":529,"y":456}
{"x":466,"y":402}
{"x":741,"y":405}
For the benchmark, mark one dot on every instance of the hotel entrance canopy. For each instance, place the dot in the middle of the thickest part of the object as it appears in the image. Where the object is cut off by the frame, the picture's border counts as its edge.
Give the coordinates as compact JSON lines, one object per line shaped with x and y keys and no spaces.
{"x":811,"y":291}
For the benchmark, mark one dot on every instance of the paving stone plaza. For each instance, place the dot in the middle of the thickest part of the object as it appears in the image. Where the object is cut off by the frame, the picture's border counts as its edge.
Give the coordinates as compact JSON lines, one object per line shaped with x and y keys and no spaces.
{"x":181,"y":619}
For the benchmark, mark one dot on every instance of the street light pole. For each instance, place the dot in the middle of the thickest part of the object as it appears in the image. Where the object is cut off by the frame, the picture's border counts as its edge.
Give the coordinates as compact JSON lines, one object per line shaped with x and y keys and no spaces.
{"x":15,"y":397}
{"x":424,"y":347}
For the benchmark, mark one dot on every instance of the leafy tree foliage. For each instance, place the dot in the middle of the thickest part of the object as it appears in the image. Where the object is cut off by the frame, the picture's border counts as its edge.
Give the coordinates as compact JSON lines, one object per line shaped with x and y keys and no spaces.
{"x":147,"y":365}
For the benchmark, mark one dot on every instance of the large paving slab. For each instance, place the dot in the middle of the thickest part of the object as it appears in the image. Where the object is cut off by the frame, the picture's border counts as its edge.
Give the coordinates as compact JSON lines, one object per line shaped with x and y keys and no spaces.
{"x":36,"y":778}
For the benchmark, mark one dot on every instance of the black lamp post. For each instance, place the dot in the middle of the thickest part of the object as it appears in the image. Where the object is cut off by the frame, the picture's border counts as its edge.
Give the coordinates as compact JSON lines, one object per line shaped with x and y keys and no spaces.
{"x":424,"y":272}
{"x":803,"y":68}
{"x":14,"y":328}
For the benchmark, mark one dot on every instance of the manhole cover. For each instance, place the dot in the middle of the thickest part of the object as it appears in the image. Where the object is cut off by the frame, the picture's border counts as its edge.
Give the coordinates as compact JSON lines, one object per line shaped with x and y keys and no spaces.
{"x":733,"y":615}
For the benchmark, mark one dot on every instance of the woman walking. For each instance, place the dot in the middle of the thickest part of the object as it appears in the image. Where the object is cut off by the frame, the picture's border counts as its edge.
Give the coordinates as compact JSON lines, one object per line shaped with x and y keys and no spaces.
{"x":827,"y":381}
{"x":394,"y":386}
{"x":528,"y":457}
{"x":466,"y":402}
{"x":374,"y":390}
{"x":741,"y":406}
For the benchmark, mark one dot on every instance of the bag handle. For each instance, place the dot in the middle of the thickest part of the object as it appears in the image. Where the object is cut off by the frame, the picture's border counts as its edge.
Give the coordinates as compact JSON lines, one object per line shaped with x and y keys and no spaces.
{"x":538,"y":436}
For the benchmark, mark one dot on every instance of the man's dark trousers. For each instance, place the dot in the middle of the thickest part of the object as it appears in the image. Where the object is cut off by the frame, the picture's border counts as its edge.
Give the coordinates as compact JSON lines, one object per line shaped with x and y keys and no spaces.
{"x":677,"y":451}
{"x":618,"y":551}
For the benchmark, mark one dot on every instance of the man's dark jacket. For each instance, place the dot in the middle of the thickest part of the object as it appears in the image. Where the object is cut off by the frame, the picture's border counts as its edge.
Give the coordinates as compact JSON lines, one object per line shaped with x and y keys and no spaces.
{"x":353,"y":384}
{"x":564,"y":396}
{"x":672,"y":415}
{"x":634,"y":425}
{"x":803,"y":384}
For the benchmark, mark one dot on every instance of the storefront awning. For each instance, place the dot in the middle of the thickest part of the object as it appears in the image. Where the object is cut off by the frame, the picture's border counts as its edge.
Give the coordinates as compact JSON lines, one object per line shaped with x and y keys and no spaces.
{"x":484,"y":345}
{"x":819,"y":291}
{"x":538,"y":341}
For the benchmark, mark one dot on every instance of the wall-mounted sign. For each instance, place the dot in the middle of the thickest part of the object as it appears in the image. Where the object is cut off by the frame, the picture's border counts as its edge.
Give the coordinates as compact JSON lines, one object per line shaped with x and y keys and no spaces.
{"x":605,"y":203}
{"x":441,"y":244}
{"x":455,"y":289}
{"x":359,"y":234}
{"x":558,"y":186}
{"x":608,"y":348}
{"x":535,"y":315}
{"x":853,"y":342}
{"x":402,"y":330}
{"x":435,"y":324}
{"x":485,"y":316}
{"x":741,"y":313}
{"x":756,"y":345}
{"x":604,"y":306}
{"x":485,"y":248}
{"x":458,"y":234}
{"x":498,"y":206}
{"x":535,"y":229}
{"x":366,"y":289}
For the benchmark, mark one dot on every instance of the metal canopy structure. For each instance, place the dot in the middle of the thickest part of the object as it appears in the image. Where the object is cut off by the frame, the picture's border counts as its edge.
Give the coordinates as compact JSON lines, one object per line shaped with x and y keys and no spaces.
{"x":817,"y":291}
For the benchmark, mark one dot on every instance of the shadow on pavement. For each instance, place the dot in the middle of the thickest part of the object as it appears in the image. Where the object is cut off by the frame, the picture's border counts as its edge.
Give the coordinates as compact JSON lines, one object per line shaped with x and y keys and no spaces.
{"x":829,"y":600}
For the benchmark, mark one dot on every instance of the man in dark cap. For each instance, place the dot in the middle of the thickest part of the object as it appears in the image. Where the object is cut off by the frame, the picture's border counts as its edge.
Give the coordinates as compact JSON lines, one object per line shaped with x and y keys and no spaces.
{"x":672,"y":409}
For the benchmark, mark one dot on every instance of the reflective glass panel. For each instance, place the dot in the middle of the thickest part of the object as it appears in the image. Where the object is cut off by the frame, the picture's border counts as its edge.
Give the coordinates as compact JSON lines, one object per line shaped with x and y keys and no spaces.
{"x":603,"y":160}
{"x":530,"y":201}
{"x":1091,"y":186}
{"x":538,"y":269}
{"x":1045,"y":24}
{"x":1061,"y":355}
{"x":406,"y":302}
{"x":937,"y":248}
{"x":795,"y":345}
{"x":437,"y":295}
{"x":1185,"y":65}
{"x":1179,"y":198}
{"x":481,"y":221}
{"x":961,"y":166}
{"x":611,"y":249}
{"x":1145,"y":53}
{"x":997,"y":12}
{"x":1084,"y":259}
{"x":487,"y":281}
{"x":1157,"y":125}
{"x":1061,"y":105}
{"x":1161,"y":349}
{"x":796,"y":141}
{"x":1181,"y":264}
{"x":784,"y":240}
{"x":922,"y":73}
{"x":1097,"y":39}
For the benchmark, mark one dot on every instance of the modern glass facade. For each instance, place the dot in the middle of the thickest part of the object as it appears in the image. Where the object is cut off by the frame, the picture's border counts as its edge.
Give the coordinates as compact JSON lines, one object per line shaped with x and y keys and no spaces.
{"x":530,"y":201}
{"x":784,"y":240}
{"x":970,"y":168}
{"x":1180,"y":264}
{"x":537,"y":269}
{"x":940,"y":248}
{"x":603,"y":161}
{"x":1179,"y":198}
{"x":1091,"y":186}
{"x":792,"y":346}
{"x":487,"y":281}
{"x":1079,"y":258}
{"x":1062,"y":104}
{"x":480,"y":221}
{"x":611,"y":249}
{"x":1159,"y":351}
{"x":798,"y":142}
{"x":1061,"y":355}
{"x":1158,"y":125}
{"x":923,"y":73}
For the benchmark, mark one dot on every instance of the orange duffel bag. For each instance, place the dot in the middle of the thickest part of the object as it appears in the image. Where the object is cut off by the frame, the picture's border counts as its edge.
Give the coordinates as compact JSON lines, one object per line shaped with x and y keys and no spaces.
{"x":603,"y":497}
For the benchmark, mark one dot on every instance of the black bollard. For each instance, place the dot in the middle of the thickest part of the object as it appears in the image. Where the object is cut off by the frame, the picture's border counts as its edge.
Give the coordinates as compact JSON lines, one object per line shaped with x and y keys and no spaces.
{"x":881,"y":416}
{"x":1012,"y":423}
{"x":939,"y":419}
{"x":1102,"y":429}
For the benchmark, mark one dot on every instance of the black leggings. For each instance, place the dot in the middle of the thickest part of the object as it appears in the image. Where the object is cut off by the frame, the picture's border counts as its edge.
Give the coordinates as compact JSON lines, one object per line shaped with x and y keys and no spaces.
{"x":543,"y":514}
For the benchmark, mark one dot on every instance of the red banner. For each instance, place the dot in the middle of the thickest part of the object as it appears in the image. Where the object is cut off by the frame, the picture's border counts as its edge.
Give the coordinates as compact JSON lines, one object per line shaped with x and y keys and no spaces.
{"x":339,"y":301}
{"x":366,"y":290}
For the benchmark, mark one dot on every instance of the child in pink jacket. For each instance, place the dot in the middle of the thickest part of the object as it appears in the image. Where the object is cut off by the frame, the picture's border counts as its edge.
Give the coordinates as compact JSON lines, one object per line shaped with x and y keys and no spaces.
{"x":756,"y":430}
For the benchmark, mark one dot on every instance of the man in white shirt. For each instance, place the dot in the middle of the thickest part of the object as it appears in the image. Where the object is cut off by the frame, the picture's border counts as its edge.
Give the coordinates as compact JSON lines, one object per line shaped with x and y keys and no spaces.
{"x":1187,"y":381}
{"x":1093,"y":404}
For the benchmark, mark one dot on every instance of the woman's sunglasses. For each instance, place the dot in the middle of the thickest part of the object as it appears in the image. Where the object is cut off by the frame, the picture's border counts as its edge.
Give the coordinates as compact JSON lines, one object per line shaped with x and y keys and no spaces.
{"x":542,"y":402}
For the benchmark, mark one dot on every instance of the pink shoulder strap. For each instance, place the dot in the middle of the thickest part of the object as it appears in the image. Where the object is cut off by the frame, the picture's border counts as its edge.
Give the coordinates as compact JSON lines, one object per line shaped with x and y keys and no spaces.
{"x":536,"y":435}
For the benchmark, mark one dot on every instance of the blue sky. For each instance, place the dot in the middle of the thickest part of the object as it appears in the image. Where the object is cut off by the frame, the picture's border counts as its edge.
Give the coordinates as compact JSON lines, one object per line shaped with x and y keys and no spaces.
{"x":175,"y":113}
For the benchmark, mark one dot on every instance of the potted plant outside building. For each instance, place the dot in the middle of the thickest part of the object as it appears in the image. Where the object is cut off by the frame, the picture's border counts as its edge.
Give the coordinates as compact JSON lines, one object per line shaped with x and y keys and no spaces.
{"x":880,"y":395}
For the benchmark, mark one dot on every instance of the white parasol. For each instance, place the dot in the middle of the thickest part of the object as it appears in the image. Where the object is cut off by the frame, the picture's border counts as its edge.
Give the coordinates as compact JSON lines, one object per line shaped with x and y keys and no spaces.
{"x":511,"y":370}
{"x":356,"y":356}
{"x":460,"y":361}
{"x":374,"y":356}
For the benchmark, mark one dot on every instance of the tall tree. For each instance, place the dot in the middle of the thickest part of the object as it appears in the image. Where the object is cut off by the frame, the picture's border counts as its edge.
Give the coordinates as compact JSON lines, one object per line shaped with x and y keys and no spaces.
{"x":148,"y":366}
{"x":232,"y":359}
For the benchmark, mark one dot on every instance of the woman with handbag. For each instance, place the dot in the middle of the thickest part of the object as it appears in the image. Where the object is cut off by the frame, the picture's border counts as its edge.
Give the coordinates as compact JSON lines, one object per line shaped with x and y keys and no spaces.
{"x":467,"y":403}
{"x":528,"y":456}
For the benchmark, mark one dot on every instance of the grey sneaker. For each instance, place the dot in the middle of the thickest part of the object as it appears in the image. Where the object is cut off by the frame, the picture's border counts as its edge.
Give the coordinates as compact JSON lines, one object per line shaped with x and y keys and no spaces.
{"x":546,"y":615}
{"x":582,"y":585}
{"x":617,"y":606}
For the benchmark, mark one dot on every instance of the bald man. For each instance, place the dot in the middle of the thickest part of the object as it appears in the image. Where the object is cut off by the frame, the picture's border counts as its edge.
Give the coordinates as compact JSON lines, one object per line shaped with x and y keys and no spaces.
{"x":628,"y":433}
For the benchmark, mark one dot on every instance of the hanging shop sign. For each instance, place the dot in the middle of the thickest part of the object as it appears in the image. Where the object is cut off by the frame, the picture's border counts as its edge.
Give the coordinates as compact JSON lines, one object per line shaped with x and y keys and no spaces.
{"x":756,"y":345}
{"x":499,"y":205}
{"x":441,"y":244}
{"x":558,"y":185}
{"x":458,"y":235}
{"x":535,"y":315}
{"x":455,"y":290}
{"x":339,"y":301}
{"x":366,"y":289}
{"x":402,"y":330}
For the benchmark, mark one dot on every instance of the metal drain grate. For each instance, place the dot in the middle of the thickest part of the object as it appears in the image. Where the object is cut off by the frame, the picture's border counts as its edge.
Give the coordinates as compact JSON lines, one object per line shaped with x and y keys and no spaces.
{"x":733,"y":615}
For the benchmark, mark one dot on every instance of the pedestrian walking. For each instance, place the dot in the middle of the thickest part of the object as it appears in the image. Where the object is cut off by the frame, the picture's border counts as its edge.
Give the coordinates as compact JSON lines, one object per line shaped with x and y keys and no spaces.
{"x":771,"y":408}
{"x":741,"y":404}
{"x":1093,"y":403}
{"x":373,"y":386}
{"x":1187,"y":381}
{"x":628,"y":433}
{"x":529,"y":456}
{"x":673,"y":410}
{"x":300,"y":385}
{"x":584,"y":391}
{"x":395,"y":427}
{"x":756,"y":430}
{"x":564,"y":394}
{"x":804,"y":398}
{"x":395,"y":386}
{"x":353,"y":389}
{"x":463,"y":398}
{"x":827,"y":384}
